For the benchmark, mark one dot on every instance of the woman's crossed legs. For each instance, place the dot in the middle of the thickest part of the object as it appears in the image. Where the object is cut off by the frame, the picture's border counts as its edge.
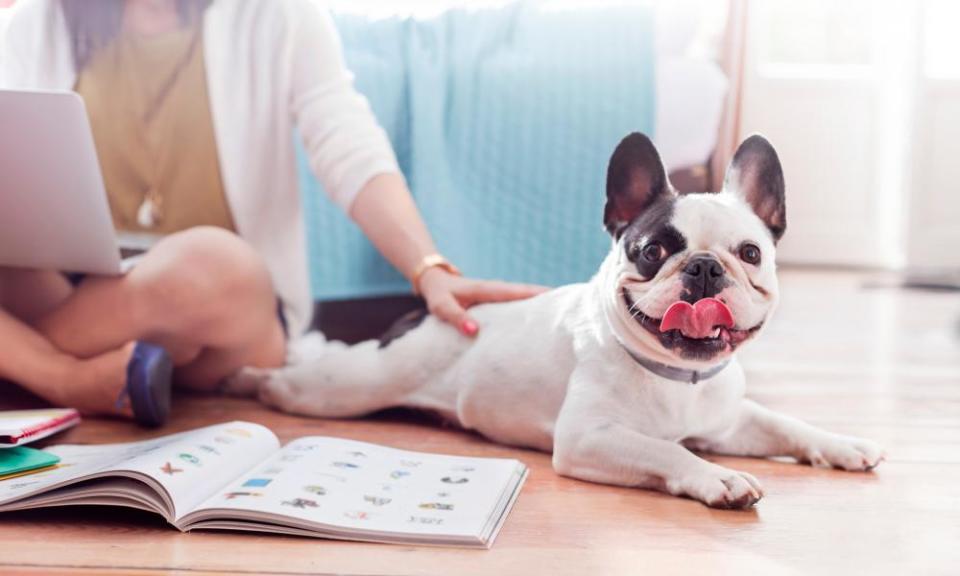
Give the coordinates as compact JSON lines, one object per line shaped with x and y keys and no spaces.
{"x":203,"y":294}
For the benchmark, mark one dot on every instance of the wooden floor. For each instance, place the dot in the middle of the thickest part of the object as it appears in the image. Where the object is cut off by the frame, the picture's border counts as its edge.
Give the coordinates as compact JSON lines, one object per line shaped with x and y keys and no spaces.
{"x":881,"y":363}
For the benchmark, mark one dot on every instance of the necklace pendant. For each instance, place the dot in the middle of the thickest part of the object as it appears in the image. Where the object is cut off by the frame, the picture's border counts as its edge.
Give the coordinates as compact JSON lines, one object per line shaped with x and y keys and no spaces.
{"x":148,"y":215}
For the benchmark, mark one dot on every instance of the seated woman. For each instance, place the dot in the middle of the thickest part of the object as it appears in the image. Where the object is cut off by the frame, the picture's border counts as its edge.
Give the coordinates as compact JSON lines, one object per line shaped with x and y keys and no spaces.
{"x":193,"y":105}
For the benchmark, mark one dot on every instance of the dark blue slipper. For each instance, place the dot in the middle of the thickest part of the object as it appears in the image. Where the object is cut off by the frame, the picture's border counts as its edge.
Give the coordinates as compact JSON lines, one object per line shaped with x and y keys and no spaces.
{"x":149,"y":381}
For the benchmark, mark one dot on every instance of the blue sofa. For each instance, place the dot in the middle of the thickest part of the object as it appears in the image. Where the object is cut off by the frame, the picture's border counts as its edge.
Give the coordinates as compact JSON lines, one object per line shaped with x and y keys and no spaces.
{"x":503,"y":121}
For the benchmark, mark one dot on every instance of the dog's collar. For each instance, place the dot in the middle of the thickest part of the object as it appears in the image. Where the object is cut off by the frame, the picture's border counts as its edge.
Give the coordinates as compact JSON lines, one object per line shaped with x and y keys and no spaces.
{"x":673,"y":372}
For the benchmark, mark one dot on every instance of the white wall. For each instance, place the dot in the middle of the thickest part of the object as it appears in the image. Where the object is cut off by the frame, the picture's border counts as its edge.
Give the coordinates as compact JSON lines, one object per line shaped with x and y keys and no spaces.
{"x":869,"y":141}
{"x":935,"y":207}
{"x":935,"y":185}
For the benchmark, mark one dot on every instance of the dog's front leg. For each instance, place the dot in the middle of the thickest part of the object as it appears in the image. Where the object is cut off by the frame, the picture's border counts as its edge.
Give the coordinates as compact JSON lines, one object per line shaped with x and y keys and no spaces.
{"x":593,"y":442}
{"x":759,"y":431}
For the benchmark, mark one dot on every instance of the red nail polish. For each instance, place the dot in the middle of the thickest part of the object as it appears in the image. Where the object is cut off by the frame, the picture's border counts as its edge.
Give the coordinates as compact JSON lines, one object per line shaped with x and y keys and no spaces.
{"x":470,"y":327}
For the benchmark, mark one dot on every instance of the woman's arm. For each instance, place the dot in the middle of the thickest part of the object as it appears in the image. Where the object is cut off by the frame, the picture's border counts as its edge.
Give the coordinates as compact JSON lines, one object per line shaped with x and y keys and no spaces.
{"x":344,"y":143}
{"x":351,"y":155}
{"x":385,"y":212}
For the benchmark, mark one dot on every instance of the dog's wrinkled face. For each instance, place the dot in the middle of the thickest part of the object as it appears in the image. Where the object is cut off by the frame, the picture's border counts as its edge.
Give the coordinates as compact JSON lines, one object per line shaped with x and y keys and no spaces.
{"x":694,"y":275}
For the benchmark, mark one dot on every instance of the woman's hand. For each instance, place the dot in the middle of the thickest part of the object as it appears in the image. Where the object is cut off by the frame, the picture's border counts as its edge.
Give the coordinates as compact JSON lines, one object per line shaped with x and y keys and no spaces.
{"x":385,"y":212}
{"x":448,"y":296}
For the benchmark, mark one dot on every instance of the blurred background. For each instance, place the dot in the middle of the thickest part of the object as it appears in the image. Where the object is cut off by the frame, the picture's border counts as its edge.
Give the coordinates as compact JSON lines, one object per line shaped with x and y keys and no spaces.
{"x":860,"y":97}
{"x":504,"y":114}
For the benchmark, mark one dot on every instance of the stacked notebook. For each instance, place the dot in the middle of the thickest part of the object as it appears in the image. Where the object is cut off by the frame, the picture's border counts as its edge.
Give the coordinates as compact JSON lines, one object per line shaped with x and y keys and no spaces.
{"x":21,"y":461}
{"x":236,"y":476}
{"x":22,"y":426}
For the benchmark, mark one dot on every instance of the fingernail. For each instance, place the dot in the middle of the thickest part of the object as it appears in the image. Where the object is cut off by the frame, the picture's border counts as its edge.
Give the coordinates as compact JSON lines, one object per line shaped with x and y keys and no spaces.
{"x":469,"y":327}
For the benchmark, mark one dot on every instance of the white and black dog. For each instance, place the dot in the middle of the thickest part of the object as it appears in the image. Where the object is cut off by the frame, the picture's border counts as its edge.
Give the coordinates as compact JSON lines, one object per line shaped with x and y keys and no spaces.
{"x":619,"y":377}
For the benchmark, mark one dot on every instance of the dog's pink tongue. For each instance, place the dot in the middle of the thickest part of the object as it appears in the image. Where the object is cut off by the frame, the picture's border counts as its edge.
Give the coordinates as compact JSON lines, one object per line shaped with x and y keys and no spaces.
{"x":698,"y":320}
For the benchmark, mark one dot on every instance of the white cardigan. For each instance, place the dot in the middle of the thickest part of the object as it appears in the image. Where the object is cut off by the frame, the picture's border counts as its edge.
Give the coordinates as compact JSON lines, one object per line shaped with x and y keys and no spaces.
{"x":271,"y":65}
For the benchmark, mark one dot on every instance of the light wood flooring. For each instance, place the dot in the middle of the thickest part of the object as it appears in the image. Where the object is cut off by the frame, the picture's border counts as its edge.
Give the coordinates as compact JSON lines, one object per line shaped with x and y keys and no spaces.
{"x":880,"y":363}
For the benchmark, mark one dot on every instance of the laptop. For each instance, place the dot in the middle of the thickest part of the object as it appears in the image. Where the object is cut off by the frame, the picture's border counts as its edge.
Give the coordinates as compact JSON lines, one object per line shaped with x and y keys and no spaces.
{"x":53,"y":206}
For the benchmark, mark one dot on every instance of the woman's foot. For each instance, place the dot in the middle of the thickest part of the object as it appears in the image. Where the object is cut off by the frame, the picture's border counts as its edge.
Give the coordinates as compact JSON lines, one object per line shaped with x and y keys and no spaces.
{"x":149,"y":379}
{"x":133,"y":382}
{"x":95,"y":386}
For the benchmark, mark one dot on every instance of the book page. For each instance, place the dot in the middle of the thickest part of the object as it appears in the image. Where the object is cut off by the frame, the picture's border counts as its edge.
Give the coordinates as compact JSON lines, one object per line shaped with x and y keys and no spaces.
{"x":190,"y":466}
{"x":363,"y":487}
{"x":75,"y":462}
{"x":196,"y":464}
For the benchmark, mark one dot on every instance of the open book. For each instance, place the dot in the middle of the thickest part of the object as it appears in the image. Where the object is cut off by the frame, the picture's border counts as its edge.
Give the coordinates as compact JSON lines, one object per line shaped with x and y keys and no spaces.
{"x":236,"y":476}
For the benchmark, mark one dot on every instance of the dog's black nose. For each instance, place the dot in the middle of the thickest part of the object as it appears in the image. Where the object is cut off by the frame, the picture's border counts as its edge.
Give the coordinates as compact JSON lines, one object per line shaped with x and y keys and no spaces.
{"x":703,"y":267}
{"x":702,"y":278}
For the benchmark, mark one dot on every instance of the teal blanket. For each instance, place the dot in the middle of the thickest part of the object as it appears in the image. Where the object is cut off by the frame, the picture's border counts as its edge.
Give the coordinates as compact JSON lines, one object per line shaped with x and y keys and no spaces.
{"x":503,"y":121}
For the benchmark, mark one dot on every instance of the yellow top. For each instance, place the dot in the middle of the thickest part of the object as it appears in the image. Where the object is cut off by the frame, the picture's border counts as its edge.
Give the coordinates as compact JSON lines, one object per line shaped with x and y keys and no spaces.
{"x":150,"y":113}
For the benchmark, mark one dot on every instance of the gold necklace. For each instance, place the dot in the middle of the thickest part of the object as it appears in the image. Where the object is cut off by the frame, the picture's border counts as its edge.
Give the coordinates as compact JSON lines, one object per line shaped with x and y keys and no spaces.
{"x":150,"y":212}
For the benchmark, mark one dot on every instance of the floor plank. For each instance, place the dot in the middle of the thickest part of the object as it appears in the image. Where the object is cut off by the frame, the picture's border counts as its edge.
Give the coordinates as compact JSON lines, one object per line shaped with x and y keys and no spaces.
{"x":876,"y":362}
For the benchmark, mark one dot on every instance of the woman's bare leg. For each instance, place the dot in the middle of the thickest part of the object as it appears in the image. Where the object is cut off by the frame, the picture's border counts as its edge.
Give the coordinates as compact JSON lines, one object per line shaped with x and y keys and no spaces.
{"x":203,"y":294}
{"x":28,"y":359}
{"x":29,"y":294}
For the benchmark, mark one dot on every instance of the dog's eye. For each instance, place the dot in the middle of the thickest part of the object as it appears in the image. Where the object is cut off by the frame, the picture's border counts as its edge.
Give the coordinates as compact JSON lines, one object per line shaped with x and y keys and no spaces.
{"x":653,"y":252}
{"x":750,"y":253}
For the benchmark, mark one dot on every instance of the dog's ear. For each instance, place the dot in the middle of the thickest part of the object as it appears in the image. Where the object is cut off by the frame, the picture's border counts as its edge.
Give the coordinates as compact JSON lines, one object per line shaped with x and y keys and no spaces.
{"x":635,"y":179}
{"x":756,"y":176}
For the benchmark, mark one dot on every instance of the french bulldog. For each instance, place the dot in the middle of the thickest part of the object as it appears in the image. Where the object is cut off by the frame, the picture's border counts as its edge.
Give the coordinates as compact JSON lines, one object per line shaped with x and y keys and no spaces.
{"x":624,"y":376}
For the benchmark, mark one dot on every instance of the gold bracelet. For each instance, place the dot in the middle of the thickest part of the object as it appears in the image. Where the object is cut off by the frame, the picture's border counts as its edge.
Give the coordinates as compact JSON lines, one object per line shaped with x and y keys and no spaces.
{"x":427,"y":262}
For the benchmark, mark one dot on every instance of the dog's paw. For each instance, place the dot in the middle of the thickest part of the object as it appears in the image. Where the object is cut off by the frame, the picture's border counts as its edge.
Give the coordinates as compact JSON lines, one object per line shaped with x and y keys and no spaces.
{"x":278,"y":392}
{"x":245,"y":382}
{"x":719,"y":487}
{"x":845,"y":452}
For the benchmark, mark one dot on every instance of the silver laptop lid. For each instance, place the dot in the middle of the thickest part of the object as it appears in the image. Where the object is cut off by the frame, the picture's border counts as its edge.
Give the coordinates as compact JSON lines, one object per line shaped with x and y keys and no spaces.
{"x":53,"y":206}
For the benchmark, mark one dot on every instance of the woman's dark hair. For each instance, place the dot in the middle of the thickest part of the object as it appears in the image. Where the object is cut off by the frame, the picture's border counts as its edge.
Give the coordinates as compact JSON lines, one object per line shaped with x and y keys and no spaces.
{"x":92,"y":24}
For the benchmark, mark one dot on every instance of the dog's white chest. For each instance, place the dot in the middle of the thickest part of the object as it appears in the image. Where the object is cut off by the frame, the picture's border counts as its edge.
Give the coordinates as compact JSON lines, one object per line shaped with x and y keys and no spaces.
{"x":635,"y":398}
